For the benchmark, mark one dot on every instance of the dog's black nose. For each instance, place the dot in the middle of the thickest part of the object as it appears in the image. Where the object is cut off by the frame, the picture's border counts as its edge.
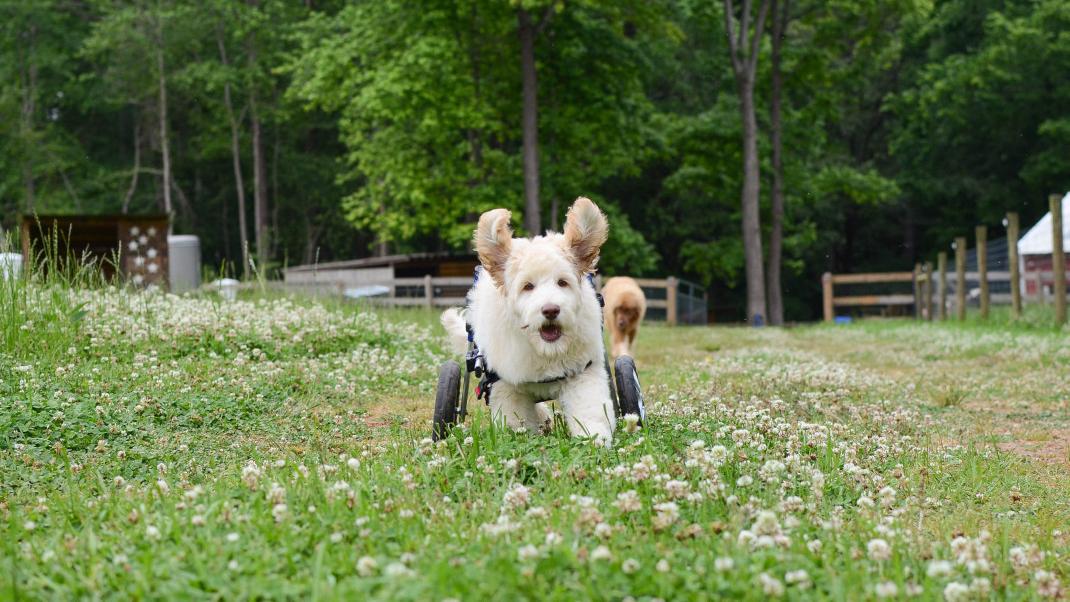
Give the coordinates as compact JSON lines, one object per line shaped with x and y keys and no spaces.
{"x":550,"y":311}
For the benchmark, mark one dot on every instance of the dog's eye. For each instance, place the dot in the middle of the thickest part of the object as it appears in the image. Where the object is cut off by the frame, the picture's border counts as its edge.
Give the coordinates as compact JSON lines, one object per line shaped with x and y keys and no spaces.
{"x":529,"y":287}
{"x":562,"y":283}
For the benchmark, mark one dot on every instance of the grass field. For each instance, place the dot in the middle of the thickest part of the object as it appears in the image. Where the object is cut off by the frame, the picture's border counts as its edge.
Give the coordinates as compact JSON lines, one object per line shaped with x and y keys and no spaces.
{"x":161,"y":447}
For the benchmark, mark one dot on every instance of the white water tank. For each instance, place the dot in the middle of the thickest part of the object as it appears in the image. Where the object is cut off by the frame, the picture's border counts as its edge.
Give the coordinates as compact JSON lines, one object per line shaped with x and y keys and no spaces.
{"x":184,"y":256}
{"x":10,"y":265}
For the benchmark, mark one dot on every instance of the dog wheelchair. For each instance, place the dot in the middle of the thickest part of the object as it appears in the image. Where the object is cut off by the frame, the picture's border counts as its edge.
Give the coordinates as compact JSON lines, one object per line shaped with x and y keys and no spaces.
{"x":451,"y":395}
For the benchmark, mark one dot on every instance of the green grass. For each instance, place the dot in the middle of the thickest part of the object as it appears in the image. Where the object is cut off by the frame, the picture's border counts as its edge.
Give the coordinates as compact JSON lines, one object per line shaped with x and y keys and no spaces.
{"x":170,"y":447}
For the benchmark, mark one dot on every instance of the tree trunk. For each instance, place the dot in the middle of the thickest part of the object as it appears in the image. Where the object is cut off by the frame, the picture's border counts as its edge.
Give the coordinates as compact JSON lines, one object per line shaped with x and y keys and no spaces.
{"x":752,"y":228}
{"x":260,"y":203}
{"x":776,"y":224}
{"x":530,"y":122}
{"x":744,"y":57}
{"x":29,"y":108}
{"x":261,"y":212}
{"x":235,"y":153}
{"x":137,"y":165}
{"x":164,"y":144}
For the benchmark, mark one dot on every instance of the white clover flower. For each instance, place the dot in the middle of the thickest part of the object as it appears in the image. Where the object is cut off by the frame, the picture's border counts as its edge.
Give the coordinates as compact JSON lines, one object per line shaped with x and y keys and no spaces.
{"x":865,"y":502}
{"x":537,"y":512}
{"x":250,"y":475}
{"x":603,"y":531}
{"x":631,"y":423}
{"x":366,"y":566}
{"x":152,"y":532}
{"x":397,"y":569}
{"x":233,"y":565}
{"x":353,"y":464}
{"x":677,"y":489}
{"x":517,"y":496}
{"x":799,"y":578}
{"x":938,"y":569}
{"x":771,"y":586}
{"x":279,"y":512}
{"x":162,"y":485}
{"x":528,"y":552}
{"x":628,"y":501}
{"x":956,"y":592}
{"x":336,"y":537}
{"x":1047,"y":584}
{"x":629,"y":566}
{"x":233,"y":537}
{"x":665,"y":515}
{"x":887,"y":496}
{"x":886,"y":589}
{"x":553,"y":539}
{"x":662,"y":566}
{"x":879,"y":550}
{"x":723,"y":564}
{"x":744,"y":481}
{"x":197,"y":520}
{"x":601,"y":553}
{"x":814,"y":545}
{"x":766,"y":523}
{"x":276,"y":494}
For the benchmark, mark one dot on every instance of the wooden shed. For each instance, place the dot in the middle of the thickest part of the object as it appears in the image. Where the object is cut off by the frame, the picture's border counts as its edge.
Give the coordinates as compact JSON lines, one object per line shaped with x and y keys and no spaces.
{"x":138,"y":242}
{"x":337,"y":276}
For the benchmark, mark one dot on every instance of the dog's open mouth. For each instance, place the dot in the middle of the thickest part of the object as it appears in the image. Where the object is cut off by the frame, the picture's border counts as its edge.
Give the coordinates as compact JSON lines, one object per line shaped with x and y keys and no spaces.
{"x":550,"y":332}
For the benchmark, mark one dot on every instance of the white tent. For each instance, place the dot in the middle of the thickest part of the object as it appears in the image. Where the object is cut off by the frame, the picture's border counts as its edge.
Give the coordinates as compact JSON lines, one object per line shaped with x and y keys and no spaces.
{"x":1038,"y":240}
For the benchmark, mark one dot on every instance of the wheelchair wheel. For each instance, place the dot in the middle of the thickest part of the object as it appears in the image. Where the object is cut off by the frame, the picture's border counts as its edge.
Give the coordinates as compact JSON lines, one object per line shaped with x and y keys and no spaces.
{"x":449,"y":380}
{"x":629,"y":393}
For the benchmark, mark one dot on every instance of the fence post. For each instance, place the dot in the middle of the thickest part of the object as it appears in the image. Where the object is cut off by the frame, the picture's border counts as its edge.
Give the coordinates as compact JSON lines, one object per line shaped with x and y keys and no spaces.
{"x":941,"y":266}
{"x":917,"y":291}
{"x":826,"y":296}
{"x":670,"y":300}
{"x":429,"y":292}
{"x":960,"y":277}
{"x":928,"y":301}
{"x":982,"y":268}
{"x":1012,"y":248}
{"x":1058,"y":259}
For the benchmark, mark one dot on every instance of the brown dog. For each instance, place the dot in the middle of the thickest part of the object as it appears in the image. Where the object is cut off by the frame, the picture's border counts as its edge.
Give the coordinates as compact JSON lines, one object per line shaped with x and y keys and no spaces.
{"x":625,"y":308}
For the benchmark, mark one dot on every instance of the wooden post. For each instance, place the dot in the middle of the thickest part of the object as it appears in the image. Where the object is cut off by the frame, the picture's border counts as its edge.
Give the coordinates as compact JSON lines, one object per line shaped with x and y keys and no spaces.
{"x":429,"y":292}
{"x":928,"y":301}
{"x":670,"y":300}
{"x":982,"y":267}
{"x":960,"y":277}
{"x":917,"y":291}
{"x":826,"y":296}
{"x":1012,"y":259}
{"x":941,"y":266}
{"x":1058,"y":259}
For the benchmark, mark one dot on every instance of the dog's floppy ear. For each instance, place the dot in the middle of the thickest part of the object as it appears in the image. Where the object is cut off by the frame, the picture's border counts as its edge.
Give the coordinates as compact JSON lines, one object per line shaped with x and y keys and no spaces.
{"x":494,"y":239}
{"x":586,"y":230}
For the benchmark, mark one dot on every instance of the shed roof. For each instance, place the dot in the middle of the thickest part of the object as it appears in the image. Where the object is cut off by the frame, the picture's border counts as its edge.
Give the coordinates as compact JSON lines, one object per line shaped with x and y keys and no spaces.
{"x":1038,"y":240}
{"x":382,"y":261}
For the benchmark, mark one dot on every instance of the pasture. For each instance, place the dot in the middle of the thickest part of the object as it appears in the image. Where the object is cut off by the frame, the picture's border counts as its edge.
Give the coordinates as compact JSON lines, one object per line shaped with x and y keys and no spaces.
{"x":154,"y":446}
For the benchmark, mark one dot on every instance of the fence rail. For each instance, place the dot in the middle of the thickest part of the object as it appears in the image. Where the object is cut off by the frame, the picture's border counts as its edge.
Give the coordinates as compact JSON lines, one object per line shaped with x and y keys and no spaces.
{"x":930,"y":291}
{"x":682,"y":301}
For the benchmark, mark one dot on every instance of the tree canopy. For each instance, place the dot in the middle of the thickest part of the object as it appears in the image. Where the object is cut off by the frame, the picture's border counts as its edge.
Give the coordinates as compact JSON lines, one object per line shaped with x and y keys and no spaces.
{"x":328,"y":129}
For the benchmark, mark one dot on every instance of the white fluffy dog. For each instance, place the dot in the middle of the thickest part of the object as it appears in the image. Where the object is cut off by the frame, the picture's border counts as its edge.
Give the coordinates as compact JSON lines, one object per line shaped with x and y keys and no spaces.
{"x":538,"y":322}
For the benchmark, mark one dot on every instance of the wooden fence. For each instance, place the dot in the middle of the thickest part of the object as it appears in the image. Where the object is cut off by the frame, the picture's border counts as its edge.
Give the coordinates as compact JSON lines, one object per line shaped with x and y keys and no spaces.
{"x":930,"y":296}
{"x":435,"y":291}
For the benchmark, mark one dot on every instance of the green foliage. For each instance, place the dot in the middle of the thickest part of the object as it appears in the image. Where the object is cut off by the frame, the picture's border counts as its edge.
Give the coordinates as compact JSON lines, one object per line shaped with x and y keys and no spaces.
{"x":391,"y":125}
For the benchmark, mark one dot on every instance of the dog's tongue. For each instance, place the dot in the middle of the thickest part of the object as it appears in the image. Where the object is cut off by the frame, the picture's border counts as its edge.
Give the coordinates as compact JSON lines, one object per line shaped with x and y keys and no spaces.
{"x":550,"y":332}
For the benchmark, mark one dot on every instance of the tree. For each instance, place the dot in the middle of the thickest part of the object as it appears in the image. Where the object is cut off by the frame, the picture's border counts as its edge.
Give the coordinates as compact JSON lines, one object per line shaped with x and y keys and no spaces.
{"x":528,"y":30}
{"x":744,"y":56}
{"x":781,"y":14}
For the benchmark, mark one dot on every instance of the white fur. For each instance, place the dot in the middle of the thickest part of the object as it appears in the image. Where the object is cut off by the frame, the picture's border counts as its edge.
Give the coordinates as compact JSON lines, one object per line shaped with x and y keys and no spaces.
{"x":507,"y":319}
